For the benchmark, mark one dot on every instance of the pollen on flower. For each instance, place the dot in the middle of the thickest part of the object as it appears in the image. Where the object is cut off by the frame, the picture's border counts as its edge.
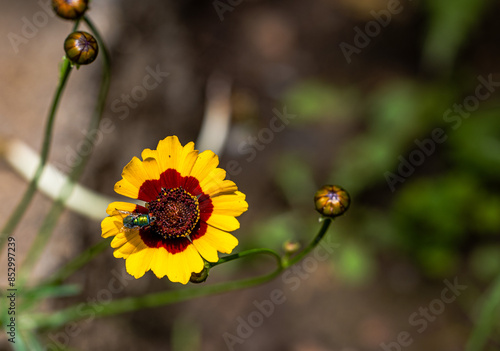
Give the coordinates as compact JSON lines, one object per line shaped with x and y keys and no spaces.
{"x":176,"y":213}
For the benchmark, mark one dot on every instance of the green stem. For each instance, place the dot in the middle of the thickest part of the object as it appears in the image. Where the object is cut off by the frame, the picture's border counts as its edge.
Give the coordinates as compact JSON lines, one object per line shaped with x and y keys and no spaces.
{"x":290,"y":262}
{"x":248,"y":253}
{"x":161,"y":298}
{"x":487,"y":319}
{"x":130,"y":304}
{"x":57,"y":208}
{"x":78,"y":262}
{"x":76,"y":24}
{"x":19,"y":211}
{"x":106,"y":74}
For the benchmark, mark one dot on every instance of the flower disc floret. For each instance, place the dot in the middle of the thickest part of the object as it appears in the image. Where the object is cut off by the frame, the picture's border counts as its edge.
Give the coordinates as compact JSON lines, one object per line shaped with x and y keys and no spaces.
{"x":176,"y":213}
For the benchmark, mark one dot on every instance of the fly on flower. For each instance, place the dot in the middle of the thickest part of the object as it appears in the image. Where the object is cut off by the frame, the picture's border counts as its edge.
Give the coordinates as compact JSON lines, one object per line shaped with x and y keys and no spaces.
{"x":189,"y":211}
{"x":134,"y":220}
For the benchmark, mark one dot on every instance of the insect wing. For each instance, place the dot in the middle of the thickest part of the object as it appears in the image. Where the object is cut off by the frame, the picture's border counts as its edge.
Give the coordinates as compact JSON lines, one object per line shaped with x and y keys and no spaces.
{"x":125,"y":215}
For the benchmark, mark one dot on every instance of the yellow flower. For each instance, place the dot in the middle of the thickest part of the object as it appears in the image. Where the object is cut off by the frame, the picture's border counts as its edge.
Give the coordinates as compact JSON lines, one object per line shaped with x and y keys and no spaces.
{"x":189,"y":210}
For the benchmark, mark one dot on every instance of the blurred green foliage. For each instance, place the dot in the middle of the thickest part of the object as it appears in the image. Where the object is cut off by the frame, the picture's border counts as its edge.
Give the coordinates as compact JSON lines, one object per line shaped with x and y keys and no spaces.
{"x":444,"y":211}
{"x":444,"y":218}
{"x":451,"y":23}
{"x":445,"y":214}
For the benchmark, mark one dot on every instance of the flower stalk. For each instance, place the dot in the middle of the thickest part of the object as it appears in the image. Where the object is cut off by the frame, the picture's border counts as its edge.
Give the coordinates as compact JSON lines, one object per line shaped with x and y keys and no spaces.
{"x":58,"y":207}
{"x":16,"y":216}
{"x":129,"y":304}
{"x":22,"y":206}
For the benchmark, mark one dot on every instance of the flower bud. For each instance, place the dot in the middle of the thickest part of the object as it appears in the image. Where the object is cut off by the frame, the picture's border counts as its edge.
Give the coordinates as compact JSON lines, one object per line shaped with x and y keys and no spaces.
{"x":200,"y":277}
{"x":81,"y":48}
{"x":70,"y":9}
{"x":331,"y":201}
{"x":291,"y":247}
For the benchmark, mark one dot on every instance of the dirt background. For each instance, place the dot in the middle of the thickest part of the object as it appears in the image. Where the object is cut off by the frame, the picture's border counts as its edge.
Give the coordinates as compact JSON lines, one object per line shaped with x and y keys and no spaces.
{"x":263,"y":48}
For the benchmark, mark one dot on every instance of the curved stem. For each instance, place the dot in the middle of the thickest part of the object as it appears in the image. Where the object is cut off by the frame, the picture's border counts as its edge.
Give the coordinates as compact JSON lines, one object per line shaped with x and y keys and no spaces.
{"x":19,"y":211}
{"x":290,"y":262}
{"x":249,"y":253}
{"x":76,"y":24}
{"x":130,"y":304}
{"x":57,"y":208}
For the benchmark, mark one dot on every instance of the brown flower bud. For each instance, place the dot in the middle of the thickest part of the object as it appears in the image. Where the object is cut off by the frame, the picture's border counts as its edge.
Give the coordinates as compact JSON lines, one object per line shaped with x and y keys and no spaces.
{"x":331,"y":201}
{"x":200,"y":277}
{"x":81,"y":48}
{"x":291,"y":247}
{"x":70,"y":9}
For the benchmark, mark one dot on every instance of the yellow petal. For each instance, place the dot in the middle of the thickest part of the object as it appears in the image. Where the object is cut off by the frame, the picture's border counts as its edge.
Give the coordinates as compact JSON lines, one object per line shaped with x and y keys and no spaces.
{"x":139,"y":262}
{"x":139,"y":173}
{"x":216,"y":175}
{"x":147,"y":153}
{"x":220,"y":240}
{"x":214,"y":184}
{"x":125,"y":188}
{"x":151,"y":168}
{"x":121,"y":206}
{"x":159,"y":262}
{"x":134,"y":243}
{"x":230,"y":205}
{"x":119,"y":240}
{"x":207,"y":161}
{"x":218,"y":187}
{"x":169,"y":150}
{"x":110,"y":226}
{"x":226,"y":223}
{"x":188,"y":160}
{"x":207,"y":251}
{"x":182,"y":264}
{"x":134,"y":172}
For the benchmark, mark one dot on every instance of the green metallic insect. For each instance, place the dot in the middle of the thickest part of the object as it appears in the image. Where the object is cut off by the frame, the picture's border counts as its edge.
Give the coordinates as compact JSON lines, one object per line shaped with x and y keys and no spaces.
{"x":134,"y":220}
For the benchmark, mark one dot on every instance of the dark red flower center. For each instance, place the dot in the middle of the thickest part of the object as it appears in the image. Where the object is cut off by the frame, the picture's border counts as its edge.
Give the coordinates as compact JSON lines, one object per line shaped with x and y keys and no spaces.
{"x":175,"y":213}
